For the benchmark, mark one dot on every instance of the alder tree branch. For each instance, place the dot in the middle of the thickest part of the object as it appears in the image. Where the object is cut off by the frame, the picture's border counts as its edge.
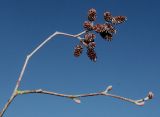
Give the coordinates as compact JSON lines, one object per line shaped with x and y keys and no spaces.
{"x":106,"y":31}
{"x":76,"y":98}
{"x":14,"y":94}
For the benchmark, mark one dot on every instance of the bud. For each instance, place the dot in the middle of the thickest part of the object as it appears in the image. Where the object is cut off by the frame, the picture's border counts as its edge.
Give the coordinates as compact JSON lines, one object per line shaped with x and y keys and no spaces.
{"x":88,"y":25}
{"x":108,"y":16}
{"x":77,"y":100}
{"x":150,"y":95}
{"x":92,"y":15}
{"x":78,"y":50}
{"x":109,"y":88}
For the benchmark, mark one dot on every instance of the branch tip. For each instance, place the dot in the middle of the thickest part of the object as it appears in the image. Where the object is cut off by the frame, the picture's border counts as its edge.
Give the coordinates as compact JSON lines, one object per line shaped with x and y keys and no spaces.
{"x":142,"y":101}
{"x":150,"y":95}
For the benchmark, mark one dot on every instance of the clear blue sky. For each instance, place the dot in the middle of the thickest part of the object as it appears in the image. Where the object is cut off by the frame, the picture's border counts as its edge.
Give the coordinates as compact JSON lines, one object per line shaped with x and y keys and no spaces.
{"x":130,"y":62}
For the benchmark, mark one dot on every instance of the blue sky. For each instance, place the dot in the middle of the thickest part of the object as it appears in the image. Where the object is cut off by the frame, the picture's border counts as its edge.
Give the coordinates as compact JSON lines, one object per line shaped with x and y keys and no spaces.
{"x":130,"y":62}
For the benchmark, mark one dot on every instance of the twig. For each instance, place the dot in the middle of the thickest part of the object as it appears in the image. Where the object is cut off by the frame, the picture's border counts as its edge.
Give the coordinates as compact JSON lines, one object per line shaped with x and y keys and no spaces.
{"x":73,"y":97}
{"x":27,"y":60}
{"x":139,"y":102}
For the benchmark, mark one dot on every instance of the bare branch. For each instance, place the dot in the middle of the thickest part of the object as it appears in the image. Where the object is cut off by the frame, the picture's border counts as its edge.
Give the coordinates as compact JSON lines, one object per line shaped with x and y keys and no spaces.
{"x":76,"y":98}
{"x":27,"y":60}
{"x":106,"y":31}
{"x":7,"y":104}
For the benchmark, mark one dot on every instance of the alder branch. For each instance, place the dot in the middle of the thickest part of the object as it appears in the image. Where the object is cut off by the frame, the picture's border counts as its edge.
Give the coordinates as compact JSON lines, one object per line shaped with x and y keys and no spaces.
{"x":106,"y":31}
{"x":76,"y":98}
{"x":14,"y":94}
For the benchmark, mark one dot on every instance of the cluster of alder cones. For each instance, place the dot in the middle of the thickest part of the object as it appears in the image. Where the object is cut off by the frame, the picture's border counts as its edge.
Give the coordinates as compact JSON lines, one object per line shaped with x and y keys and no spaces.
{"x":106,"y":31}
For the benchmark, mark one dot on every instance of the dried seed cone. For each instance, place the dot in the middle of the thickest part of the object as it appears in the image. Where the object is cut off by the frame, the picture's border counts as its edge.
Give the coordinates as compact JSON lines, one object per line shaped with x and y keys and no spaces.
{"x":106,"y":36}
{"x":92,"y":54}
{"x":88,"y":25}
{"x":99,"y":28}
{"x":107,"y":16}
{"x":89,"y":37}
{"x":78,"y":50}
{"x":119,"y":19}
{"x":110,"y":28}
{"x":92,"y":15}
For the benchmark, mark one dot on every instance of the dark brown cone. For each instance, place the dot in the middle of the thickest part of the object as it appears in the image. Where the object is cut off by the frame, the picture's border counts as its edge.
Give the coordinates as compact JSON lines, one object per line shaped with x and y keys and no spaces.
{"x":106,"y":36}
{"x":112,"y":31}
{"x":108,"y":16}
{"x":78,"y":50}
{"x":89,"y":37}
{"x":92,"y":15}
{"x":88,"y":25}
{"x":119,"y":19}
{"x":109,"y":37}
{"x":110,"y":28}
{"x":99,"y":28}
{"x":92,"y":54}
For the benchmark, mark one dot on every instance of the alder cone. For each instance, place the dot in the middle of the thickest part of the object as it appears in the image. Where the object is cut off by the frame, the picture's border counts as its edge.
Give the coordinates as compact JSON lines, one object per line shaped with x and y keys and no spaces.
{"x":88,"y":25}
{"x":92,"y":54}
{"x":89,"y":37}
{"x":78,"y":50}
{"x":119,"y":19}
{"x":99,"y":28}
{"x":110,"y":28}
{"x":107,"y":16}
{"x":92,"y":15}
{"x":106,"y":36}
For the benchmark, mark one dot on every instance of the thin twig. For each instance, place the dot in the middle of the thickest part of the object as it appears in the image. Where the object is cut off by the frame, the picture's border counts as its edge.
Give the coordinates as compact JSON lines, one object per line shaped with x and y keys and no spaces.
{"x":26,"y":62}
{"x":139,"y":102}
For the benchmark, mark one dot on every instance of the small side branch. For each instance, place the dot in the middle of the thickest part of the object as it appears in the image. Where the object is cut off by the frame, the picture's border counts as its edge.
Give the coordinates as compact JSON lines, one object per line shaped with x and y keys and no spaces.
{"x":76,"y":98}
